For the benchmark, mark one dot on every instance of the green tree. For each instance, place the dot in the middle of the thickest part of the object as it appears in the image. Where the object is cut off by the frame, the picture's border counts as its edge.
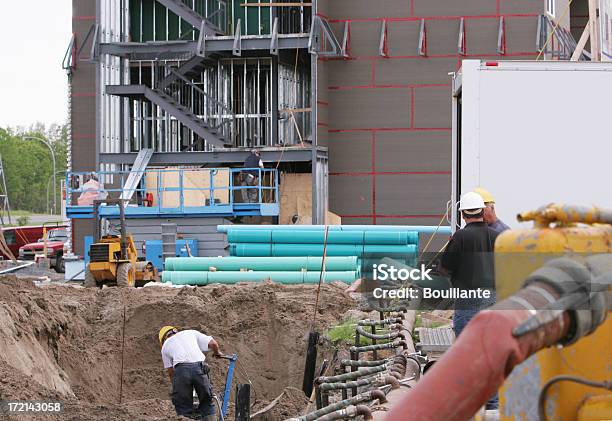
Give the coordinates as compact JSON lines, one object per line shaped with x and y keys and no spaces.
{"x":28,"y":166}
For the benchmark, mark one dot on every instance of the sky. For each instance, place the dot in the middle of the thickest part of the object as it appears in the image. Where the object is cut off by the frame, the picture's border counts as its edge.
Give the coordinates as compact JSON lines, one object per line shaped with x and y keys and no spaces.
{"x":34,"y":36}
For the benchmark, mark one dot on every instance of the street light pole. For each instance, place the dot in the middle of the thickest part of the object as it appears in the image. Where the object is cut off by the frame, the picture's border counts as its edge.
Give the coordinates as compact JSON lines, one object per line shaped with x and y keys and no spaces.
{"x":54,"y":168}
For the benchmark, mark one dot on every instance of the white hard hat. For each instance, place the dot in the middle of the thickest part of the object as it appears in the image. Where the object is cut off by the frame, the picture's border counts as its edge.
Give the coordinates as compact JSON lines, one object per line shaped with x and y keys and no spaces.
{"x":471,"y":200}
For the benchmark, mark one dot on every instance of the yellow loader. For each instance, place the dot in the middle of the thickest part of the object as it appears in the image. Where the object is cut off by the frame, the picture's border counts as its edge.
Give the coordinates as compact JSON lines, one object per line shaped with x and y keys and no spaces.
{"x":113,"y":259}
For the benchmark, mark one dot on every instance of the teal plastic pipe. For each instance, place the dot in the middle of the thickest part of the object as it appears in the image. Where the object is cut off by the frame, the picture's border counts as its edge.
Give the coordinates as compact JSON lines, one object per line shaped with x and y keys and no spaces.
{"x":273,"y":264}
{"x":318,"y":237}
{"x":424,"y":229}
{"x":204,"y":278}
{"x":257,"y":249}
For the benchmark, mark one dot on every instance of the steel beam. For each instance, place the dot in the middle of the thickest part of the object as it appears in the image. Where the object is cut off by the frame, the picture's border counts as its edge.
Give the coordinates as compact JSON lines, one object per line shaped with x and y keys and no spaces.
{"x":179,"y":49}
{"x":223,"y":156}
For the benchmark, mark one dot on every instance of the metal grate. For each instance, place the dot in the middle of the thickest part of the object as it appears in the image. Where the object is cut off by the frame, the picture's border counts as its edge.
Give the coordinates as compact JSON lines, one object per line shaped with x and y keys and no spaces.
{"x":98,"y":253}
{"x":435,"y":340}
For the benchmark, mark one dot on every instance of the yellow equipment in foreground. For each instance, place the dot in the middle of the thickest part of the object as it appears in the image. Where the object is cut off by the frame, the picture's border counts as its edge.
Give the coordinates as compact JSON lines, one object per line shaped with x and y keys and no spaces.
{"x":559,"y":230}
{"x":114,"y":258}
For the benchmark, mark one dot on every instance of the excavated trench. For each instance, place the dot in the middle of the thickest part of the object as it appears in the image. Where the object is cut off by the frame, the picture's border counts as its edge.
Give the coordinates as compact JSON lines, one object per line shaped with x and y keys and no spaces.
{"x":69,"y":343}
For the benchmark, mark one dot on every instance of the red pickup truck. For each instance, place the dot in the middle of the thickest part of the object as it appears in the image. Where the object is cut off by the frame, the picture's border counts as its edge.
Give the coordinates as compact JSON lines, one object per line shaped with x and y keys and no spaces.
{"x":55,"y":248}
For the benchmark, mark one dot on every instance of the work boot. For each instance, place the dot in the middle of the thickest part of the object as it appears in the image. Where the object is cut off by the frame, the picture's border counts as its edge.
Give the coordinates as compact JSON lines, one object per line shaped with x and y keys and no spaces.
{"x":210,"y":418}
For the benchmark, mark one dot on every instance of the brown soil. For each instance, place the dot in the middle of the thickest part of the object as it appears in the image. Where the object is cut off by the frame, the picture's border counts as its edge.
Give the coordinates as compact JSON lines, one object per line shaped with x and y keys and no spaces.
{"x":65,"y":343}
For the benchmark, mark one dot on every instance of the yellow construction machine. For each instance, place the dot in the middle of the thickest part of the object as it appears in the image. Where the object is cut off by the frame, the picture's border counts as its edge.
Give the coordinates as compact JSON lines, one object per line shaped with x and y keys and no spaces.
{"x":113,"y":259}
{"x":562,"y":377}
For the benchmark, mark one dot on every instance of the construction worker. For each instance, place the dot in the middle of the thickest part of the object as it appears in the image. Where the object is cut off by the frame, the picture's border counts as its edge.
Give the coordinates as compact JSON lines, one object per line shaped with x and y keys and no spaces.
{"x":183,"y":356}
{"x":250,"y":176}
{"x":489,"y":214}
{"x":468,"y":258}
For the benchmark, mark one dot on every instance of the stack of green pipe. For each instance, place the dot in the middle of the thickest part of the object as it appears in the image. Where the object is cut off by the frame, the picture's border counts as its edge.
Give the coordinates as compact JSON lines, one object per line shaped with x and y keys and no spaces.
{"x":232,"y":277}
{"x":274,"y":250}
{"x":284,"y":270}
{"x":235,"y":236}
{"x":276,"y":264}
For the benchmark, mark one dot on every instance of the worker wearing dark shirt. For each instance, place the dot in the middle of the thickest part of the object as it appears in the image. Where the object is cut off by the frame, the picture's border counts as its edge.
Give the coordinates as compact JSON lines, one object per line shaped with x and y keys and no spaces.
{"x":469,"y":256}
{"x":250,"y":177}
{"x":469,"y":260}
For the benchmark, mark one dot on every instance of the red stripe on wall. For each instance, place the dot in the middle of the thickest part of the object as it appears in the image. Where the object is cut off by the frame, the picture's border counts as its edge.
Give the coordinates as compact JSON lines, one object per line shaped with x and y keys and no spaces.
{"x":323,"y":103}
{"x":83,"y":18}
{"x":474,"y":55}
{"x":322,"y":124}
{"x":415,"y":18}
{"x":375,"y":173}
{"x":392,"y":129}
{"x":374,"y":86}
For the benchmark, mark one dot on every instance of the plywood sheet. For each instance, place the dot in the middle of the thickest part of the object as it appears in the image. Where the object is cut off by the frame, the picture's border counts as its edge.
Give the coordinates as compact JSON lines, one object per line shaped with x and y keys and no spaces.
{"x":196,"y":184}
{"x":295,"y":193}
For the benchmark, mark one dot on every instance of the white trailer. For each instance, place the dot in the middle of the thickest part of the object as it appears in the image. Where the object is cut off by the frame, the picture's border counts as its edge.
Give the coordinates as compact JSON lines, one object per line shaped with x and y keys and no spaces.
{"x":532,"y":133}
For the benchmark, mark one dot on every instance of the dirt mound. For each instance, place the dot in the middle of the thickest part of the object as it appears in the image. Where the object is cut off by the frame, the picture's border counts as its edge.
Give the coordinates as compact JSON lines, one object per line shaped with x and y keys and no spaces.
{"x":62,"y":342}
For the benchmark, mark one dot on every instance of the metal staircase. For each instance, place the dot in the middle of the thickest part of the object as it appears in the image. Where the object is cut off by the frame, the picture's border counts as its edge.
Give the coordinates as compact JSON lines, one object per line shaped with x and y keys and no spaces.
{"x":214,"y":21}
{"x":189,"y":69}
{"x":178,"y":100}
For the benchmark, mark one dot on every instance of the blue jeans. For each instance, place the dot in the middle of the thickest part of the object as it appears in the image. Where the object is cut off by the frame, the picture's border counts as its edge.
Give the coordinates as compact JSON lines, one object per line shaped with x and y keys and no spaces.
{"x":461,"y":318}
{"x":187,"y":377}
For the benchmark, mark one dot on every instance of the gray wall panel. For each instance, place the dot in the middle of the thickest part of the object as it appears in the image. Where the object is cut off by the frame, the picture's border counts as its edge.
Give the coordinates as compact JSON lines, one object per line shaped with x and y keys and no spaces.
{"x":369,"y":108}
{"x":363,"y":9}
{"x":365,"y":38}
{"x":523,"y":6}
{"x":481,"y":35}
{"x":349,"y":72}
{"x":357,"y":221}
{"x":350,"y":195}
{"x":432,"y":221}
{"x":454,"y":7}
{"x":432,"y":107}
{"x":417,"y":194}
{"x":350,"y":152}
{"x":521,"y":35}
{"x":442,"y":36}
{"x":403,"y":38}
{"x":414,"y":71}
{"x":413,"y":151}
{"x":84,"y":7}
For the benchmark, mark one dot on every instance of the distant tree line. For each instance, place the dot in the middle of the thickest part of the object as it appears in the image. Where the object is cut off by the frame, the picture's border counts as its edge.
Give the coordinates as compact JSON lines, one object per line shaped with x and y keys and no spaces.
{"x":28,"y":167}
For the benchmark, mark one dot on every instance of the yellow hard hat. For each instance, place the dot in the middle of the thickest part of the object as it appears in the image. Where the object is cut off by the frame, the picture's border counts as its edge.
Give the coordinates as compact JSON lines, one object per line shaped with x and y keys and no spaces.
{"x":163,"y":331}
{"x":486,"y":195}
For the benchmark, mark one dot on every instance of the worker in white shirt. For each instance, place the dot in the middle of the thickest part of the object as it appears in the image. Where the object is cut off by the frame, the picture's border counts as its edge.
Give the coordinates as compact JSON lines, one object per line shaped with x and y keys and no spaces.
{"x":183,"y":357}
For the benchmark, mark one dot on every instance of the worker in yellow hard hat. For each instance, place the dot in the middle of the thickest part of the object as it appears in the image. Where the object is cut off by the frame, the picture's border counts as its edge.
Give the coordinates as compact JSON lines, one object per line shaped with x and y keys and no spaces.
{"x":183,"y":356}
{"x":490,"y":216}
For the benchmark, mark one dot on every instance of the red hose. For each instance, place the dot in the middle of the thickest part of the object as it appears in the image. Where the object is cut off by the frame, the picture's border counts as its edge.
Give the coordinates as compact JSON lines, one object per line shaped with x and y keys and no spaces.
{"x":478,"y":362}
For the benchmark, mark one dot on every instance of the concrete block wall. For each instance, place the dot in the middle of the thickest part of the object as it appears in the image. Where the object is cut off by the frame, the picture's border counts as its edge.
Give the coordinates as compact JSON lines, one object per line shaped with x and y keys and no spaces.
{"x":387,"y":120}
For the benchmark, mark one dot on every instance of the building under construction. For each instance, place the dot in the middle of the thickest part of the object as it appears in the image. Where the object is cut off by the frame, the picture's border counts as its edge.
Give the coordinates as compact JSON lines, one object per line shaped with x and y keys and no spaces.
{"x":351,"y":97}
